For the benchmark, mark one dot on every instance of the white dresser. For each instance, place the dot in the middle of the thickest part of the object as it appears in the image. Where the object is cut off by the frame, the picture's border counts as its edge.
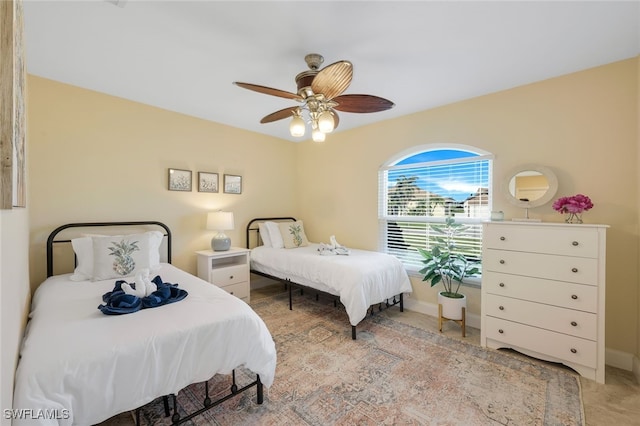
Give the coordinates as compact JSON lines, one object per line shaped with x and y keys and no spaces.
{"x":543,"y":292}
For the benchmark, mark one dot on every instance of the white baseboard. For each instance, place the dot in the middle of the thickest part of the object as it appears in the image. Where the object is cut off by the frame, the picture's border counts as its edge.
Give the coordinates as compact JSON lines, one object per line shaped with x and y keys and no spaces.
{"x":618,"y":359}
{"x":613,"y":357}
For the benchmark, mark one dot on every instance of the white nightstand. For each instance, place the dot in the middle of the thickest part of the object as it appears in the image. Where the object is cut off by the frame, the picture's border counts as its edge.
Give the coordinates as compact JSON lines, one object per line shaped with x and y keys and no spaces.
{"x":229,"y":270}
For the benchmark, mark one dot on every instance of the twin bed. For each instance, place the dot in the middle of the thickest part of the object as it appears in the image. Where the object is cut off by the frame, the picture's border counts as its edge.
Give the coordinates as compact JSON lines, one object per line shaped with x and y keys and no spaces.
{"x":359,"y":280}
{"x":79,"y":366}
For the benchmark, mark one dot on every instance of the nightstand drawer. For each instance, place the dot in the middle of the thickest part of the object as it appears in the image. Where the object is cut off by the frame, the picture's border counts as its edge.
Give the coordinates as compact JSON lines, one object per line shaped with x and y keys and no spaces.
{"x":240,"y":290}
{"x":229,"y":275}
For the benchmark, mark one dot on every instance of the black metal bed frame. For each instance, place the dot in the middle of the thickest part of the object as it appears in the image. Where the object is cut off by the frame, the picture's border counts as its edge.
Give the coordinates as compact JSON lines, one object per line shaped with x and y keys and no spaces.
{"x":176,"y":418}
{"x":290,"y":284}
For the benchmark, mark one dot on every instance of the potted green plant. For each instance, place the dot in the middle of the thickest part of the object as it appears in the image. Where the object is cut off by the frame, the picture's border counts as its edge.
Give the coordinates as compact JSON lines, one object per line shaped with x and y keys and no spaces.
{"x":442,"y":264}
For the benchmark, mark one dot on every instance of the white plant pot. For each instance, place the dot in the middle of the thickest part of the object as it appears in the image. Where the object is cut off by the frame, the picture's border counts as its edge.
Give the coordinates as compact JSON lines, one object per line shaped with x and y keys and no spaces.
{"x":452,"y":308}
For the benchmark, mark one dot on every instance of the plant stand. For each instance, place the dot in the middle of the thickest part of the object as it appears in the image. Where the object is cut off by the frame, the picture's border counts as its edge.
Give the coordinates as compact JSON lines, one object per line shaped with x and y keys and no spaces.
{"x":460,"y":322}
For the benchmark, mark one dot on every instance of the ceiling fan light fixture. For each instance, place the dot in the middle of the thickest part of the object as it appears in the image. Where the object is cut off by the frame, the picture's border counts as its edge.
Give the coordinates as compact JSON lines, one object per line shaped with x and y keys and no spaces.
{"x":325,"y":122}
{"x":297,"y":126}
{"x":317,"y":135}
{"x":320,"y":92}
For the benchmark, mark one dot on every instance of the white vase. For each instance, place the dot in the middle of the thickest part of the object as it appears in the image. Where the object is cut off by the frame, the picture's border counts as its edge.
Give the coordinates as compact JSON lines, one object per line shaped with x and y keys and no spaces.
{"x":452,"y":308}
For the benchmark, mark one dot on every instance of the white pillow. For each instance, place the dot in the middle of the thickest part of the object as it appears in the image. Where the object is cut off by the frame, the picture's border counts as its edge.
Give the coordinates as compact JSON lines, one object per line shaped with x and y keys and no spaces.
{"x":274,"y":235}
{"x":264,"y":235}
{"x":120,"y":256}
{"x":84,"y":249}
{"x":293,"y":234}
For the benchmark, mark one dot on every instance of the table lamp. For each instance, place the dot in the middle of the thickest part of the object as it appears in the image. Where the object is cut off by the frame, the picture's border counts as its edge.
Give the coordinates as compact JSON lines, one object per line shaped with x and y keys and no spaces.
{"x":220,"y":221}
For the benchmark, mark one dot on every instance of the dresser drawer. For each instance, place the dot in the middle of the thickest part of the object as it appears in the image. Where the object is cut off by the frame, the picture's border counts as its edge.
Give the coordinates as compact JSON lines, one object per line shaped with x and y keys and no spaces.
{"x":561,"y":268}
{"x":566,"y":241}
{"x":223,"y":277}
{"x":240,"y":290}
{"x":563,"y":320}
{"x":544,"y":342}
{"x":573,"y":296}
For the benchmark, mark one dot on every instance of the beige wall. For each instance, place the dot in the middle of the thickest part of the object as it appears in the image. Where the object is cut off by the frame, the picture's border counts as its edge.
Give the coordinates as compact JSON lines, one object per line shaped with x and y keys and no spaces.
{"x":583,"y":126}
{"x":14,"y":296}
{"x":94,"y":157}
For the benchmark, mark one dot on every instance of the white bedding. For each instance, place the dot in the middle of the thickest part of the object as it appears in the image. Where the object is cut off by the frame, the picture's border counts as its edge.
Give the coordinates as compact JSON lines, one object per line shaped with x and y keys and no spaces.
{"x":361,"y":279}
{"x":89,"y":366}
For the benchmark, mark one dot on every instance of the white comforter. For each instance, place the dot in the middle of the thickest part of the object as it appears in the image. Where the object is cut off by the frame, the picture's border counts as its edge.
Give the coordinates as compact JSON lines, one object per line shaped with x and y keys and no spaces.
{"x":81,"y":364}
{"x":361,"y":279}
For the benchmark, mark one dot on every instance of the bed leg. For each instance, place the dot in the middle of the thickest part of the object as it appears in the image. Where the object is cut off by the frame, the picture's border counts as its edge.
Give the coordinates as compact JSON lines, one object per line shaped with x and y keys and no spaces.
{"x":138,"y":416}
{"x":353,"y":332}
{"x":167,"y":410}
{"x":290,"y":297}
{"x":207,"y":400}
{"x":176,"y":416}
{"x":259,"y":390}
{"x":234,"y":387}
{"x":401,"y":303}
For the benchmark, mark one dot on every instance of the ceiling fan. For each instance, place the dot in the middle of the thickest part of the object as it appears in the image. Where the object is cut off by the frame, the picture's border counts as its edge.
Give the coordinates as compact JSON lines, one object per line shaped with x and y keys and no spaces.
{"x":320,"y":96}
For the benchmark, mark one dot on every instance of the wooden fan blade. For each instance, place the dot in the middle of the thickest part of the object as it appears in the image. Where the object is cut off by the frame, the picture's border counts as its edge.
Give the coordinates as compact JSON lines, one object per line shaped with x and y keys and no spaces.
{"x":362,"y":103}
{"x":279,"y":115}
{"x":268,"y":90}
{"x":333,"y":79}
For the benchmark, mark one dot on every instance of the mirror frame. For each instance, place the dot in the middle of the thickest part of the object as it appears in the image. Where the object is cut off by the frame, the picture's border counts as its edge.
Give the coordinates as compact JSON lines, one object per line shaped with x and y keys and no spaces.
{"x":548,"y":173}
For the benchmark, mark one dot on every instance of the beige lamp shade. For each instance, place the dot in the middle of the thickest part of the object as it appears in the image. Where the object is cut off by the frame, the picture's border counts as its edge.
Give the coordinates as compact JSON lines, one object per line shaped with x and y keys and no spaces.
{"x":220,"y":221}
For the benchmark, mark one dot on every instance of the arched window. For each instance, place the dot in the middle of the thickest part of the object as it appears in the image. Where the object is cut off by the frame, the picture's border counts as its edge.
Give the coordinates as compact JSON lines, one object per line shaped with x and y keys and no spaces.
{"x":426,"y":184}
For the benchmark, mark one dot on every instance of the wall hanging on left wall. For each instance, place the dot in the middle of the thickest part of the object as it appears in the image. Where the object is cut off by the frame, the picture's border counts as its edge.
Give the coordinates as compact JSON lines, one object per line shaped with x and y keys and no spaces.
{"x":179,"y":180}
{"x":12,"y":113}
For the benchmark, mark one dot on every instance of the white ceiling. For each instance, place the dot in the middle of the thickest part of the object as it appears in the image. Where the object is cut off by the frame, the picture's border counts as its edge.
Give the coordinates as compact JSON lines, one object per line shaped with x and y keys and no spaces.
{"x":183,"y":56}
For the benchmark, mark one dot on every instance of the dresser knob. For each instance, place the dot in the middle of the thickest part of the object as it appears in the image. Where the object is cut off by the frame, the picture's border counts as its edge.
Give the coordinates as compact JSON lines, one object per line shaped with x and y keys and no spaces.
{"x":574,"y":269}
{"x":502,"y":261}
{"x":501,"y":284}
{"x":575,"y":243}
{"x":501,"y":308}
{"x":574,"y":351}
{"x":502,"y":238}
{"x":573,"y":323}
{"x":230,"y":277}
{"x":574,"y":296}
{"x":501,"y":331}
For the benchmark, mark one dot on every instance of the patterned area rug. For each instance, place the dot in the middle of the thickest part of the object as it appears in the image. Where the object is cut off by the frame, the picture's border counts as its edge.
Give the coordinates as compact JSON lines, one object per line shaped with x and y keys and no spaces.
{"x":393,"y":374}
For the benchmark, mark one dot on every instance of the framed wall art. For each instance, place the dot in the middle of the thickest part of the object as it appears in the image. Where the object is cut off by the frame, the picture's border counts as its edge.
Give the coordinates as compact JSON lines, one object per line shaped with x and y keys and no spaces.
{"x":12,"y":107}
{"x":232,"y":184}
{"x":207,"y":182}
{"x":179,"y":180}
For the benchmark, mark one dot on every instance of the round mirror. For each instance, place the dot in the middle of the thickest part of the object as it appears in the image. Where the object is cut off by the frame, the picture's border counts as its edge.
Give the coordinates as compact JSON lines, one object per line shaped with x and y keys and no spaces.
{"x":530,"y":186}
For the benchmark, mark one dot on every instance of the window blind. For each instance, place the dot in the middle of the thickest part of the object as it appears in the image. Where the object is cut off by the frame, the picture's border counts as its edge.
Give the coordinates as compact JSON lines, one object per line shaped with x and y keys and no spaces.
{"x":412,"y":197}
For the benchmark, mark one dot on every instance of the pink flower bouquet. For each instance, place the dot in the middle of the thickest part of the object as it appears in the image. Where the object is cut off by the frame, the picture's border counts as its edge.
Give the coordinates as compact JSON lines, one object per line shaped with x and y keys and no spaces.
{"x":575,"y":204}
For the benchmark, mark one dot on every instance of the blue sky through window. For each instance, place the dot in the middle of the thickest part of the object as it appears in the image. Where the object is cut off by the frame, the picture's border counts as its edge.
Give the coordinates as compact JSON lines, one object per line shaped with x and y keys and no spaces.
{"x":457,"y":181}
